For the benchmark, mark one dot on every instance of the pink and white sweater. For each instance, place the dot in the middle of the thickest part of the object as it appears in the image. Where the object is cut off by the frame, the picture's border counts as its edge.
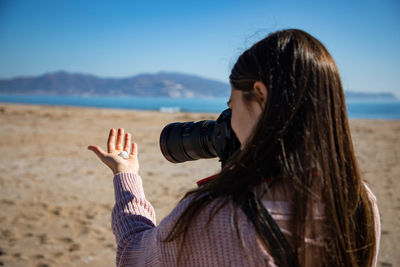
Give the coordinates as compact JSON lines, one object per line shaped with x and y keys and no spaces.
{"x":219,"y":243}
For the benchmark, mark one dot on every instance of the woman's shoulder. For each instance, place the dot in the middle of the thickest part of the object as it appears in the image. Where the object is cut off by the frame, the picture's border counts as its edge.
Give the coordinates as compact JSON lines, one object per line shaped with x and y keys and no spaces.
{"x":221,"y":208}
{"x":221,"y":231}
{"x":374,"y":204}
{"x":377,"y":221}
{"x":218,"y":220}
{"x":371,"y":195}
{"x":222,"y":211}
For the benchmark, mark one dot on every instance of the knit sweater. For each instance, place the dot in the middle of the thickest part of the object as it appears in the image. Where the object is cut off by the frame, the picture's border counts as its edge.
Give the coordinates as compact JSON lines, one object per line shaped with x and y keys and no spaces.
{"x":208,"y":243}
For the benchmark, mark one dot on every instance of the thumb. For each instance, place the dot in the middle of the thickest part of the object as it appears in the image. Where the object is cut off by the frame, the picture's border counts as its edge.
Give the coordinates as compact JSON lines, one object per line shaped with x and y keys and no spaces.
{"x":98,"y":151}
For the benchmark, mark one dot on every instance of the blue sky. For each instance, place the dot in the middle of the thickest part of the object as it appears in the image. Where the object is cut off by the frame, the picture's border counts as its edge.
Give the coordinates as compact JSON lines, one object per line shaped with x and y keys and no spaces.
{"x":124,"y":38}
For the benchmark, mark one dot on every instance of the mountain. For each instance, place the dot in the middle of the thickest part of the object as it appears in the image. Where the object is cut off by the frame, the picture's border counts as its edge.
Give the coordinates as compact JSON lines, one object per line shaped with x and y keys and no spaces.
{"x":162,"y":84}
{"x":369,"y":96}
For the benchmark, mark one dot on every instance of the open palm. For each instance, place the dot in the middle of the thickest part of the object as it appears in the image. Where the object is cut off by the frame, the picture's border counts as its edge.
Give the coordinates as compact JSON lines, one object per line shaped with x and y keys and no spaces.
{"x":112,"y":159}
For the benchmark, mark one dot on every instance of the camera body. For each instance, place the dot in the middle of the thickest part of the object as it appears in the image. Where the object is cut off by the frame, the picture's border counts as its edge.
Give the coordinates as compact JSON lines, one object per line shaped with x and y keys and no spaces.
{"x":185,"y":141}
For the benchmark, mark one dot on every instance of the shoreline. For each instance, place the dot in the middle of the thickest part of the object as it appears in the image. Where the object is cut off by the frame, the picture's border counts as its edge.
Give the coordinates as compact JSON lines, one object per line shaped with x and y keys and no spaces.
{"x":56,"y":196}
{"x":356,"y":108}
{"x":107,"y":108}
{"x":208,"y":115}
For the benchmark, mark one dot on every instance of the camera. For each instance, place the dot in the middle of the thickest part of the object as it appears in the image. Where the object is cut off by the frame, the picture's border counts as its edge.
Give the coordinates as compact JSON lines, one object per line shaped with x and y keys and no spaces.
{"x":185,"y":141}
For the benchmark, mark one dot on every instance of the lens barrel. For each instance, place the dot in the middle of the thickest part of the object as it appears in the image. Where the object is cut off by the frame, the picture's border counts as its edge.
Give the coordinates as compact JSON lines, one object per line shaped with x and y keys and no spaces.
{"x":185,"y":141}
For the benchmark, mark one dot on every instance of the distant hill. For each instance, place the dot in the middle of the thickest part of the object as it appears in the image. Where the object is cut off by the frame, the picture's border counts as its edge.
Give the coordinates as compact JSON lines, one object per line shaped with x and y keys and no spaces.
{"x":369,"y":96}
{"x":161,"y":84}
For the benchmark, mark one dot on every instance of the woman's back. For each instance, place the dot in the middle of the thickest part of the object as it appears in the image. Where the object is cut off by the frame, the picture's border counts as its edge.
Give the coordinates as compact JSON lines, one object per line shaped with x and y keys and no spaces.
{"x":279,"y":202}
{"x":217,"y":238}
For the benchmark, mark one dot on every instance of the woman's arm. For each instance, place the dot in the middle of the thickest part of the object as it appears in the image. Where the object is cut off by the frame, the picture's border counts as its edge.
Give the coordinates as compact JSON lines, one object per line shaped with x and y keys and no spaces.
{"x":132,"y":215}
{"x":214,"y":242}
{"x":133,"y":222}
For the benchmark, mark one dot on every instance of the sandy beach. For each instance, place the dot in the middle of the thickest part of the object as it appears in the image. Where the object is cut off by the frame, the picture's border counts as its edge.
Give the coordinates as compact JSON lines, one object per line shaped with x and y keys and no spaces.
{"x":56,"y":196}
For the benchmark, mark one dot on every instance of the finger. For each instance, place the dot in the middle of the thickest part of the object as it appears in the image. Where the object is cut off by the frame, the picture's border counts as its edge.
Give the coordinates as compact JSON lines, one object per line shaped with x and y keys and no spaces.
{"x":120,"y":136}
{"x":98,"y":151}
{"x":134,"y":149}
{"x":127,"y":142}
{"x":110,"y":142}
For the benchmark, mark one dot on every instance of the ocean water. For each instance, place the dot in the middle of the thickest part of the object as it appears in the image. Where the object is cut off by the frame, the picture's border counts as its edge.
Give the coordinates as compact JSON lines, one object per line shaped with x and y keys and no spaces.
{"x":388,"y":110}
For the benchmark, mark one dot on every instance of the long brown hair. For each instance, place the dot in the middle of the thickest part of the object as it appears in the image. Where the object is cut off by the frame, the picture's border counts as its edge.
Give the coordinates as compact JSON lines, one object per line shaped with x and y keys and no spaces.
{"x":303,"y":138}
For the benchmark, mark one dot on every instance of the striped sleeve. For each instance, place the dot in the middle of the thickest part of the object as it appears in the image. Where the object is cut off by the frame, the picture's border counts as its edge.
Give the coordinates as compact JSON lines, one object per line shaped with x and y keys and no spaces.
{"x":132,"y":217}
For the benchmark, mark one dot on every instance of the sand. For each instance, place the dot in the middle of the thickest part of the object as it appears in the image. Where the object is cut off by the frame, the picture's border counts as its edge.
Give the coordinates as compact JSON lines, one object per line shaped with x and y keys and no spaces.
{"x":56,"y":196}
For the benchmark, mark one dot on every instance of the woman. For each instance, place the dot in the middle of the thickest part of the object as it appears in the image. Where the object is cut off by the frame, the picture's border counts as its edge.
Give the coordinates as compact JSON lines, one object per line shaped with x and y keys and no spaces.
{"x":296,"y":163}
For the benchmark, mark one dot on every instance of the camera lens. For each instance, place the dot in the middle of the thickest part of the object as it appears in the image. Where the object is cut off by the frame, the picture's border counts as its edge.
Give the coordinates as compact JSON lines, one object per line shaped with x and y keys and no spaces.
{"x":184,"y":141}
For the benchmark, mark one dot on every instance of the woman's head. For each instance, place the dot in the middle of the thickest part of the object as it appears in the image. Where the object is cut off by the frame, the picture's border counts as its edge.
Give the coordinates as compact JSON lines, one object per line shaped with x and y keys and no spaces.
{"x":294,"y":77}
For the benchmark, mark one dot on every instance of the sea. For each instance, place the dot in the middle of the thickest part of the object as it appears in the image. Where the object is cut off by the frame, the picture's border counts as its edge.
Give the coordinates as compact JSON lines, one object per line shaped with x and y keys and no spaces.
{"x":357,"y":109}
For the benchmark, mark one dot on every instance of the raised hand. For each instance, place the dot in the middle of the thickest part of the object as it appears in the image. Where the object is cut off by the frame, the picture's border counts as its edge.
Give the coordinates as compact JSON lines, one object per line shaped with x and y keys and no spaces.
{"x":116,"y":162}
